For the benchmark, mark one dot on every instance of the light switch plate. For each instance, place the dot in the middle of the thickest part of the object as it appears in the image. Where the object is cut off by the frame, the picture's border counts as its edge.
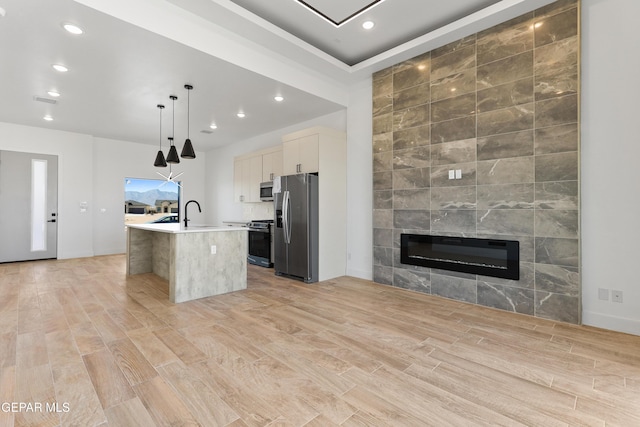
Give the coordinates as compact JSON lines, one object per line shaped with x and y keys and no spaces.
{"x":616,"y":296}
{"x":603,"y":294}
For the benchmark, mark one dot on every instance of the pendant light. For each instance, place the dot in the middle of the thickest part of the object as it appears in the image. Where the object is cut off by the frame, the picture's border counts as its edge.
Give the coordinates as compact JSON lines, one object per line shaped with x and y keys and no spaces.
{"x":187,"y":149}
{"x":160,"y":161}
{"x":172,"y":157}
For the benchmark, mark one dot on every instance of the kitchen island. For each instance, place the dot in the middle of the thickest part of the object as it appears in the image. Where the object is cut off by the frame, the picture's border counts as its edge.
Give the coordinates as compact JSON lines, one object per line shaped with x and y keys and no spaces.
{"x":197,"y":261}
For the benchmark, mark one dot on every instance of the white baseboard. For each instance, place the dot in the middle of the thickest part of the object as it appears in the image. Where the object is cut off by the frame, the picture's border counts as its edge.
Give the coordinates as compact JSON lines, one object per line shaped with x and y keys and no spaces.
{"x":361,"y":274}
{"x":613,"y":323}
{"x":110,"y":251}
{"x":71,"y":255}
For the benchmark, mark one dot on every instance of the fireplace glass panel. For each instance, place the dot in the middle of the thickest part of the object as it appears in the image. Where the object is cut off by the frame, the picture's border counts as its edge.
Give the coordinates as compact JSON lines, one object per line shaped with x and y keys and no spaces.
{"x":497,"y":258}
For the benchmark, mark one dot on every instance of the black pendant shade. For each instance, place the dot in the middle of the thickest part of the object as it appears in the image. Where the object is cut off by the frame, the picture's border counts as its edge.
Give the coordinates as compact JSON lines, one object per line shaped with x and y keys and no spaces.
{"x":160,"y":161}
{"x":172,"y":157}
{"x":187,"y":150}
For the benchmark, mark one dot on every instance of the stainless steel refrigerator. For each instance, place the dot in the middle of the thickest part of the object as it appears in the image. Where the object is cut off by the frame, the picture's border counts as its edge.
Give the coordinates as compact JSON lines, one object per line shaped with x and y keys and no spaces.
{"x":296,"y":227}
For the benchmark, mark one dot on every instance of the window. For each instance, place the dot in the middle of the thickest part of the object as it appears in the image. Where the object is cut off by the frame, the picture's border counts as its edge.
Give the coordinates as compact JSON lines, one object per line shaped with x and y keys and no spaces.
{"x":151,"y":201}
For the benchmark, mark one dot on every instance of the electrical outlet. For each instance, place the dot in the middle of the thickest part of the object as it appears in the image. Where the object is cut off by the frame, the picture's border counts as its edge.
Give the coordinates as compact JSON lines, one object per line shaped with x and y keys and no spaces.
{"x":603,"y":294}
{"x":616,"y":296}
{"x":458,"y":173}
{"x":213,"y":249}
{"x":452,"y":174}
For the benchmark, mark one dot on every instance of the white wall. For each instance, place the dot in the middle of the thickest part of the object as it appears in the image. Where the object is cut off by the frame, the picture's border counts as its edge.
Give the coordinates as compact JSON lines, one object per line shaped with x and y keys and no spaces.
{"x":113,"y":161}
{"x":609,"y":160}
{"x":93,"y":170}
{"x":219,"y":167}
{"x":75,"y":178}
{"x":360,"y":182}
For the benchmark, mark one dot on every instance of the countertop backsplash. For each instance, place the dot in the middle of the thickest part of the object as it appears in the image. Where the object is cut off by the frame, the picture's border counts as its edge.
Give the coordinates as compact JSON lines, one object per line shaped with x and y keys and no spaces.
{"x":262,"y":210}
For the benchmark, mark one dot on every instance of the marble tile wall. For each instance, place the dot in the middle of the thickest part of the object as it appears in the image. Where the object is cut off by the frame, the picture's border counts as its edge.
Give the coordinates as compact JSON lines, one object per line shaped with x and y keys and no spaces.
{"x":502,"y":106}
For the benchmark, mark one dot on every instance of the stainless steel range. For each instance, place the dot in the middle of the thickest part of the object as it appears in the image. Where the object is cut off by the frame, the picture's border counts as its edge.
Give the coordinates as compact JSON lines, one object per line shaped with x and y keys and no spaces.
{"x":261,"y":243}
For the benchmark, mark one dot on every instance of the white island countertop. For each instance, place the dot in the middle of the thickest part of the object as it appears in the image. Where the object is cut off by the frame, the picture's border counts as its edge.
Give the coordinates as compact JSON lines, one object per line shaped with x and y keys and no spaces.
{"x":177,"y":228}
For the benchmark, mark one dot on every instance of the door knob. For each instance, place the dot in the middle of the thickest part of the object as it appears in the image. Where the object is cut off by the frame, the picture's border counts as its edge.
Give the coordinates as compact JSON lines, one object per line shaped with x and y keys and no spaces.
{"x":52,"y":220}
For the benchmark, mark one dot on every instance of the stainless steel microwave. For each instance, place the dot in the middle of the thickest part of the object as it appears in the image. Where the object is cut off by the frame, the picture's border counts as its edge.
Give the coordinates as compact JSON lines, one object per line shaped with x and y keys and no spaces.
{"x":266,"y":191}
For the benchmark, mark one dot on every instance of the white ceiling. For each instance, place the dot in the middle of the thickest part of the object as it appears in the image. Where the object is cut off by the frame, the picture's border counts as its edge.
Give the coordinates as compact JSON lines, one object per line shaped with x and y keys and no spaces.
{"x":396,"y":22}
{"x":133,"y":55}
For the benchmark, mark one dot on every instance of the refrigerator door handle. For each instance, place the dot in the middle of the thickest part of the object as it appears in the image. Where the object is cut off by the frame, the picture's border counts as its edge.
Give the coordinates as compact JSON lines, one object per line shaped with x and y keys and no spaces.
{"x":288,"y":214}
{"x":285,"y":216}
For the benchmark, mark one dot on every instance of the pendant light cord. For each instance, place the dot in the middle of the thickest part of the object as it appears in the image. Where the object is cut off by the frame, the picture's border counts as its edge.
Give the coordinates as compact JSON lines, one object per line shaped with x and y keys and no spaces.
{"x":188,"y":111}
{"x":173,"y":112}
{"x":173,"y":129}
{"x":160,"y":107}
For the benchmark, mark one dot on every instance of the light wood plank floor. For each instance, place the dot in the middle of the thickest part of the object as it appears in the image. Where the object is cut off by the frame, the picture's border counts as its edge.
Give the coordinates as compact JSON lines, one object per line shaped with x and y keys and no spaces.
{"x":109,"y":350}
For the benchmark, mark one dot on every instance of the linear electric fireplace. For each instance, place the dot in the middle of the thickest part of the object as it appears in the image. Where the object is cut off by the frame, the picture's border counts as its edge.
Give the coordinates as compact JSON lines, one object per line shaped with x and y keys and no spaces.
{"x":488,"y":257}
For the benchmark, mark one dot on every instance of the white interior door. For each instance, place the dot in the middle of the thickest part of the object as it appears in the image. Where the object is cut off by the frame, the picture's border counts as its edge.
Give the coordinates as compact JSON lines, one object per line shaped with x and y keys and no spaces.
{"x":29,"y":200}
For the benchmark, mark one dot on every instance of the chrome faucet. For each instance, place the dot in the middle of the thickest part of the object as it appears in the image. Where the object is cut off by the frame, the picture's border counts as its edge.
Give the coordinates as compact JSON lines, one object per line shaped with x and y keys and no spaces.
{"x":186,"y":220}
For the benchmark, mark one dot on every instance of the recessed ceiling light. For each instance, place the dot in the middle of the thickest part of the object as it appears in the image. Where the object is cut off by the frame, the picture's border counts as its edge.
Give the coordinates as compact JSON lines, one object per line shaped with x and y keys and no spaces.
{"x":213,"y":126}
{"x":48,"y":118}
{"x":60,"y":68}
{"x":73,"y":29}
{"x":241,"y":114}
{"x":367,"y":25}
{"x":53,"y":93}
{"x":278,"y":98}
{"x":2,"y":12}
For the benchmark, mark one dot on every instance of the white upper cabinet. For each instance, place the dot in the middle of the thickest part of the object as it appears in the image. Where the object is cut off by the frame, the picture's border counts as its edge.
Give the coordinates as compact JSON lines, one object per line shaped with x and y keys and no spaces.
{"x":250,"y":169}
{"x":301,"y":154}
{"x":247,"y":176}
{"x":272,"y":164}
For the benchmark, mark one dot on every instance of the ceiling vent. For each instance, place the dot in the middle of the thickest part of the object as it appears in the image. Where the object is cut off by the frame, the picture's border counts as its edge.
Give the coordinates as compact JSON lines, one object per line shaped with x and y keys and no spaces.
{"x":206,"y":131}
{"x":45,"y":100}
